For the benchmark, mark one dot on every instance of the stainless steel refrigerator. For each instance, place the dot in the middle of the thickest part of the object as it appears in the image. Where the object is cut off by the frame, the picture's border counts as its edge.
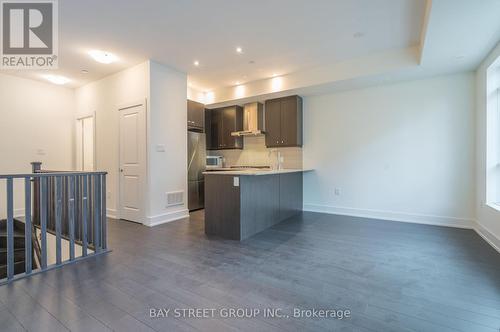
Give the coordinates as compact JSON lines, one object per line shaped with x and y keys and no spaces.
{"x":196,"y":167}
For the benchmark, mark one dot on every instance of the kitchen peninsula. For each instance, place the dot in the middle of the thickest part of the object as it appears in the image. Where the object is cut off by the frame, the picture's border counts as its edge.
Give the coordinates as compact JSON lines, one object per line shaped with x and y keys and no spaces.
{"x":239,"y":204}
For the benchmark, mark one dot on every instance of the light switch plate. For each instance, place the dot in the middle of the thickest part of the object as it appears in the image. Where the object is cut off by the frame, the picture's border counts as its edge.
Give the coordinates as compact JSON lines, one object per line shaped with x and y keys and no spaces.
{"x":236,"y":181}
{"x":160,"y":148}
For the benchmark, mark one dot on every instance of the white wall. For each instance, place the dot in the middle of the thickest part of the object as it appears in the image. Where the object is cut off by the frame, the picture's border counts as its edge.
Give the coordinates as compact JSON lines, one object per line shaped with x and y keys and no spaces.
{"x":195,"y":95}
{"x":36,"y":124}
{"x":488,"y":218}
{"x":104,"y":97}
{"x":255,"y":153}
{"x":404,"y":151}
{"x":167,"y":128}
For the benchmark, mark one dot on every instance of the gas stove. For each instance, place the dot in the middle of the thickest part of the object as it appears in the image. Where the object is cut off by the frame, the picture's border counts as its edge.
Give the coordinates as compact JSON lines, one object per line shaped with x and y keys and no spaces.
{"x":250,"y":167}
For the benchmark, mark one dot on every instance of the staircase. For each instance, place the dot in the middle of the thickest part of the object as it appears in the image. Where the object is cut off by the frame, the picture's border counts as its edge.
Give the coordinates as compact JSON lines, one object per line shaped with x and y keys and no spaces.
{"x":63,"y":210}
{"x":19,"y":248}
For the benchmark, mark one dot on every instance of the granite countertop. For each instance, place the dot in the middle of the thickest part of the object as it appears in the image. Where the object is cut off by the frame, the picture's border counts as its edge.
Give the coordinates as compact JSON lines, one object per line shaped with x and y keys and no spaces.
{"x":225,"y":171}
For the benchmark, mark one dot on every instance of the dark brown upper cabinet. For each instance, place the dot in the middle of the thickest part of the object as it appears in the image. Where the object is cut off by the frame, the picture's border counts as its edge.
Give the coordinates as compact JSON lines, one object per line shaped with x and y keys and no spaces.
{"x":284,"y":122}
{"x":221,"y":122}
{"x":196,"y":115}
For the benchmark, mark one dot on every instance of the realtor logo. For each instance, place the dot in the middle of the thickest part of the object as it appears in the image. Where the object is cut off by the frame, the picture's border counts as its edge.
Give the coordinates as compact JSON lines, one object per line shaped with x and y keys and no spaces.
{"x":29,"y":34}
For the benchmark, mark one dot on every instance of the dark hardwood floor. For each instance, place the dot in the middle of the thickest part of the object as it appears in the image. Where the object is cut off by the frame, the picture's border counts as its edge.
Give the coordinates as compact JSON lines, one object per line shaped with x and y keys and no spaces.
{"x":391,"y":276}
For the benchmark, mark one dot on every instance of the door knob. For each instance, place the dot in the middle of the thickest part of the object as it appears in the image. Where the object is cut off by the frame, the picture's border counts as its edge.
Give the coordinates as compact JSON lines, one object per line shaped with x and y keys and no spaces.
{"x":121,"y":170}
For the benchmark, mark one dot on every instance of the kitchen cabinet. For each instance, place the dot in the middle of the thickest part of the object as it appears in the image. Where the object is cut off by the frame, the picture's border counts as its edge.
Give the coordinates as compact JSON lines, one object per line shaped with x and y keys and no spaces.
{"x":221,"y":122}
{"x":258,"y":202}
{"x":196,"y":115}
{"x":284,"y":122}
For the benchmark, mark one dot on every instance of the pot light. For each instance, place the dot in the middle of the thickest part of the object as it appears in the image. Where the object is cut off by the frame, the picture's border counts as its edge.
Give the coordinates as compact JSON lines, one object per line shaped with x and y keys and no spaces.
{"x":56,"y":79}
{"x":239,"y":50}
{"x":196,"y":63}
{"x":209,"y":97}
{"x":103,"y":56}
{"x":277,"y":84}
{"x":240,"y":91}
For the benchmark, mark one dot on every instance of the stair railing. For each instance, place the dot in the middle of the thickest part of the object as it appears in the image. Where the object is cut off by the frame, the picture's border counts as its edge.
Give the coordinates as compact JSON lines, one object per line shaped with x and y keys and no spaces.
{"x":82,"y":197}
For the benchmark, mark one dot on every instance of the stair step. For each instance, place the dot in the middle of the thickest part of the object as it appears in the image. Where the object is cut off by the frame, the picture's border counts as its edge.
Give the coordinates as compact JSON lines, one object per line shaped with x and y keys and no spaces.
{"x":18,"y":255}
{"x":18,"y":225}
{"x":19,"y":267}
{"x":18,"y":242}
{"x":17,"y":233}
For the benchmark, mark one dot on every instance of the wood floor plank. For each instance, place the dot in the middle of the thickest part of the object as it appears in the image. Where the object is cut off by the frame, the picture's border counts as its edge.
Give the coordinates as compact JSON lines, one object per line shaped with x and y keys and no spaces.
{"x":392,"y":276}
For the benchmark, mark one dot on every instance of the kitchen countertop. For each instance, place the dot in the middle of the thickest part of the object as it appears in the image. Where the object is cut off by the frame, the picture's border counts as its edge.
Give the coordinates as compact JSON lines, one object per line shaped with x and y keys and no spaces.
{"x":228,"y":171}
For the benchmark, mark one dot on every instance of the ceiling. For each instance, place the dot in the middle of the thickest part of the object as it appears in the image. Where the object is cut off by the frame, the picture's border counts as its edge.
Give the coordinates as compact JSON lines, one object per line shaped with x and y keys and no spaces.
{"x":277,"y":36}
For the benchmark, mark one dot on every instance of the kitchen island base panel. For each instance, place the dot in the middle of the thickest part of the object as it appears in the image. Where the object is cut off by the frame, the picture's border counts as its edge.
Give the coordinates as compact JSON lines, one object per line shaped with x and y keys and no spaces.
{"x":239,"y":209}
{"x":222,"y":207}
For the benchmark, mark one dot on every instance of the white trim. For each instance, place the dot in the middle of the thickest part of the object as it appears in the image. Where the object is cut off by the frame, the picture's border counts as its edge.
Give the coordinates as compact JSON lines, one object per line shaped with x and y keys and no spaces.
{"x":487,"y":236}
{"x":166,"y":217}
{"x":92,"y":115}
{"x":393,"y":216}
{"x":18,"y":213}
{"x":112,"y":213}
{"x":494,"y":206}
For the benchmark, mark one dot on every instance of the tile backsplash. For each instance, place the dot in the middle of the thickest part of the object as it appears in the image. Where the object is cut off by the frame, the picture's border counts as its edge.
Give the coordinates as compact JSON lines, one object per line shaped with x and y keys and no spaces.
{"x":255,"y":153}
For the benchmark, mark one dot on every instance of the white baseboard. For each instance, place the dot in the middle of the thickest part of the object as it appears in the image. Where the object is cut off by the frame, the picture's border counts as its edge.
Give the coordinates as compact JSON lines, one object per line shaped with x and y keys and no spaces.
{"x":166,"y":217}
{"x":487,"y":236}
{"x":112,"y":213}
{"x":393,"y":216}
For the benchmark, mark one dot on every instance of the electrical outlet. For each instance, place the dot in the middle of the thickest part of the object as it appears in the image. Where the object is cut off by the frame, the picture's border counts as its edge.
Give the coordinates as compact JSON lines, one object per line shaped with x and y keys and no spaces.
{"x":337,"y":191}
{"x":160,"y":148}
{"x":109,"y":194}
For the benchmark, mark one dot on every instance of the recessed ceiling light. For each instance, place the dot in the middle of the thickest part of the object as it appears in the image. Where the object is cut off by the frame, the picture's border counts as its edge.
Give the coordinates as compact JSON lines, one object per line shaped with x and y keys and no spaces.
{"x":56,"y":79}
{"x":237,"y":83}
{"x":358,"y":35}
{"x":103,"y":56}
{"x":274,"y":75}
{"x":239,"y":50}
{"x":459,"y":57}
{"x":196,"y":63}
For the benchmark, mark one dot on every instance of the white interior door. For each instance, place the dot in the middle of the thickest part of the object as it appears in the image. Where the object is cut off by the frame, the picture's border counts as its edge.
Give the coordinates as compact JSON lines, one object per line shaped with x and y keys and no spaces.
{"x":132,"y":162}
{"x":85,"y":144}
{"x":88,"y":144}
{"x":79,"y":145}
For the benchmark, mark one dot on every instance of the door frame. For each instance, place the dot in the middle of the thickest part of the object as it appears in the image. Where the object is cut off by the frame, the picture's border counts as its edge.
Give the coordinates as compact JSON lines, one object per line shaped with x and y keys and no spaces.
{"x":145,"y":184}
{"x":94,"y":135}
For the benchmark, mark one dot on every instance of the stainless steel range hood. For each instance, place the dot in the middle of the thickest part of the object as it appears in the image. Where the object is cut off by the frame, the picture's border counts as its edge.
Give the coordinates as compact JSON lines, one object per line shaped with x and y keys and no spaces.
{"x":253,"y":120}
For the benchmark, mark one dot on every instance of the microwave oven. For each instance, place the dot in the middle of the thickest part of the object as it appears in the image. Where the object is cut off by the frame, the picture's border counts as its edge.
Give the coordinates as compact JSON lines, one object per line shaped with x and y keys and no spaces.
{"x":214,"y":162}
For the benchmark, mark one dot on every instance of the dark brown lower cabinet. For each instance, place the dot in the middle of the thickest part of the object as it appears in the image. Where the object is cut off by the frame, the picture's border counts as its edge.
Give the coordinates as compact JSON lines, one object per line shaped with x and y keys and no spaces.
{"x":255,"y":204}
